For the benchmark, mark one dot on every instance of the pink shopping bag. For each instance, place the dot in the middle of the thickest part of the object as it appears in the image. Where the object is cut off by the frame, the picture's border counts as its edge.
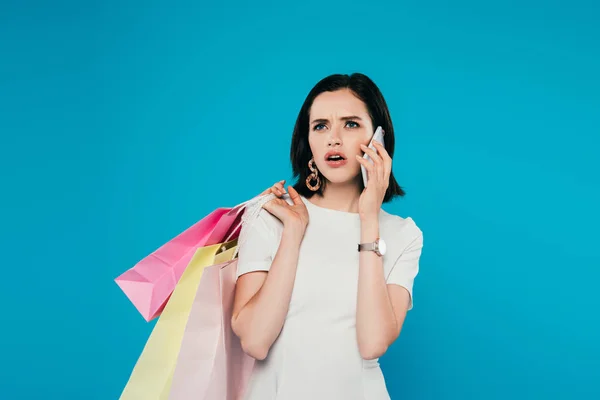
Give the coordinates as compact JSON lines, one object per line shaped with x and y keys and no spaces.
{"x":211,"y":363}
{"x":149,"y":283}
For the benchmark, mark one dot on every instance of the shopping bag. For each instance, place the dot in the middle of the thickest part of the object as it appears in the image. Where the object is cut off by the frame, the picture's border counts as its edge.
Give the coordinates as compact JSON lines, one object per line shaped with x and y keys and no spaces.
{"x":211,"y":363}
{"x":151,"y":281}
{"x":152,"y":374}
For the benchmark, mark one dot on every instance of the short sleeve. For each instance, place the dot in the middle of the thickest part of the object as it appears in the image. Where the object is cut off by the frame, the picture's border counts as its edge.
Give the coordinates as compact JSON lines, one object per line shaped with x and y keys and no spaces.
{"x":255,"y":252}
{"x":406,"y":267}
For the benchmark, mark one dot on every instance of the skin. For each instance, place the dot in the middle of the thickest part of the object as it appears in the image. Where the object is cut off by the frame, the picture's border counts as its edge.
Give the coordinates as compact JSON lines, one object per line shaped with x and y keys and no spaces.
{"x":338,"y":121}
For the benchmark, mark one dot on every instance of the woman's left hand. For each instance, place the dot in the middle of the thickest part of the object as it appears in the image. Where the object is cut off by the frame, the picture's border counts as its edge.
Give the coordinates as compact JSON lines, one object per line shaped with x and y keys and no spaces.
{"x":378,"y":180}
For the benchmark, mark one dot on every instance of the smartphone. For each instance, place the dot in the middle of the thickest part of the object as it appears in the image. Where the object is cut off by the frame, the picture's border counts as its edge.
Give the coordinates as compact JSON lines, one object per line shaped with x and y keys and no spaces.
{"x":378,"y":135}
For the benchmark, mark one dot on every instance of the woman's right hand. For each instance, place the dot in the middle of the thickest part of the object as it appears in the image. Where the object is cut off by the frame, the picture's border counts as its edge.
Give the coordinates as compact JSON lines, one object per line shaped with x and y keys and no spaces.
{"x":292,"y":215}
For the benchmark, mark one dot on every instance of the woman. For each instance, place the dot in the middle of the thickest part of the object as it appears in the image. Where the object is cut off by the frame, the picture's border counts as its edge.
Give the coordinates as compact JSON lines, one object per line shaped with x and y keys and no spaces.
{"x":312,"y":307}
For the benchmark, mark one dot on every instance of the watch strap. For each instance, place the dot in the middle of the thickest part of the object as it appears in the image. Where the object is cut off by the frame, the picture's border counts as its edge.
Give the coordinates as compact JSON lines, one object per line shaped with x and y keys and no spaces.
{"x":367,"y":246}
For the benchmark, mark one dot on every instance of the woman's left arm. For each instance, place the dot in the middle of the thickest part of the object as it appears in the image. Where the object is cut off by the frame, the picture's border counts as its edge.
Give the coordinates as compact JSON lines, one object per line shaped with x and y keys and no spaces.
{"x":381,"y":308}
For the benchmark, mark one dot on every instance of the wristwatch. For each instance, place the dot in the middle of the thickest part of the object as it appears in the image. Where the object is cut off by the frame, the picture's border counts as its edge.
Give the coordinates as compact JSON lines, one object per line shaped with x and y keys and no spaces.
{"x":378,"y":246}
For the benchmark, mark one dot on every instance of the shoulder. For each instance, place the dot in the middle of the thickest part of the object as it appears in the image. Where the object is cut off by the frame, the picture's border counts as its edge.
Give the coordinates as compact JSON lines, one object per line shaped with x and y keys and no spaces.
{"x":262,"y":223}
{"x":258,"y":220}
{"x":400,"y":230}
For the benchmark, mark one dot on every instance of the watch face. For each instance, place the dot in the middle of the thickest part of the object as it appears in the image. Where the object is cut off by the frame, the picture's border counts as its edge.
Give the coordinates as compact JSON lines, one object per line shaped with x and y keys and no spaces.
{"x":382,"y":247}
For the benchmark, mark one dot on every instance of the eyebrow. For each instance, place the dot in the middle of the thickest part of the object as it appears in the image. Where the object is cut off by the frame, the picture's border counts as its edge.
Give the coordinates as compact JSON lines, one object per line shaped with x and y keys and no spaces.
{"x":324,"y":120}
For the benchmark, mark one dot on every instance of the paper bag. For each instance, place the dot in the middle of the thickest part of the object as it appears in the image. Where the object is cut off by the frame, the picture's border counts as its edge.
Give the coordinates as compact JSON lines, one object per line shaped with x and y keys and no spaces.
{"x":151,"y":281}
{"x":152,"y":374}
{"x":211,"y":364}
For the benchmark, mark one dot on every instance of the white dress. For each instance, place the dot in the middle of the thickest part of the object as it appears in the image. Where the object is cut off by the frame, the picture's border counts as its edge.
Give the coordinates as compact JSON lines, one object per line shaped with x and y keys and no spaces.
{"x":316,"y":354}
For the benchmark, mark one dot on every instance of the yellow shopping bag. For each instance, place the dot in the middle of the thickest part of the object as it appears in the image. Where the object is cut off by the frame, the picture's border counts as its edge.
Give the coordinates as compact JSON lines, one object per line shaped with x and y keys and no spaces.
{"x":153,"y":372}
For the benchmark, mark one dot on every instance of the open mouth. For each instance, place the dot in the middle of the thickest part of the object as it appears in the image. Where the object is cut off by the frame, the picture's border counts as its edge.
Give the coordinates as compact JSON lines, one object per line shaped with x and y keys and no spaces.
{"x":335,"y":159}
{"x":334,"y":155}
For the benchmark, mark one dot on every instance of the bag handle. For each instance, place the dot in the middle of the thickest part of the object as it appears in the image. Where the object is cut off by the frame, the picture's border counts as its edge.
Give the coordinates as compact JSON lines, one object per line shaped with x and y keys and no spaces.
{"x":251,"y":209}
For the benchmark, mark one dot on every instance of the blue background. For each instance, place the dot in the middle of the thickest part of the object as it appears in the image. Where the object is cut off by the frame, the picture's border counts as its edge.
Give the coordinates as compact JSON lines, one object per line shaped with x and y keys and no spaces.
{"x":125,"y":122}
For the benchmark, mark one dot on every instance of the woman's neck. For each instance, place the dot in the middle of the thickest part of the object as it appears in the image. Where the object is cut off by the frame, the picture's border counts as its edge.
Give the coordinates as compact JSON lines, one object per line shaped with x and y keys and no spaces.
{"x":341,"y":197}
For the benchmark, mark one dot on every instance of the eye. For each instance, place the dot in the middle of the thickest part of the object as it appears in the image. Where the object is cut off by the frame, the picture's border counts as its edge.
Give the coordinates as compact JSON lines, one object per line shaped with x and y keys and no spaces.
{"x":319,"y":127}
{"x":352,"y":124}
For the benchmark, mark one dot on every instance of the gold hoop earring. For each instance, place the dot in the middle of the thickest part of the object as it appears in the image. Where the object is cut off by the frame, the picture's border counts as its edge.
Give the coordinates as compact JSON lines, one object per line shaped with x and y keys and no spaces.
{"x":314,"y":176}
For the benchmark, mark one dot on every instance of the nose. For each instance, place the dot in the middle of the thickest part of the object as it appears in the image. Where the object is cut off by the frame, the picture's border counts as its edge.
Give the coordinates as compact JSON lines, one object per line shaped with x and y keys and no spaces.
{"x":334,"y":138}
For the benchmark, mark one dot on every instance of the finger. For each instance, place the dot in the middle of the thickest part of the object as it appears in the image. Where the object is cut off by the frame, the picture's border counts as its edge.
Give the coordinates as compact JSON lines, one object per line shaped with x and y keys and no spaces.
{"x":373,"y":170}
{"x":387,"y":171}
{"x":278,"y":189}
{"x":273,"y":190}
{"x":270,"y":190}
{"x":387,"y":160}
{"x":372,"y":153}
{"x":381,"y":150}
{"x":281,"y":185}
{"x":274,"y":205}
{"x":378,"y":171}
{"x":272,"y":208}
{"x":368,"y":166}
{"x":294,"y":196}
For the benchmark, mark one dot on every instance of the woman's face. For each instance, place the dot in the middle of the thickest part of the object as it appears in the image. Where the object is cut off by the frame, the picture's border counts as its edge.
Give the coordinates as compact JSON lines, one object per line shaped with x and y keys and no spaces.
{"x":339,"y":122}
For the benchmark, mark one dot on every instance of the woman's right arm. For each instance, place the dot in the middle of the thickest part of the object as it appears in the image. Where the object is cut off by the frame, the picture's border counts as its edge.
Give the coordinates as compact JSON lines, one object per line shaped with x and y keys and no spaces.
{"x":262,"y":298}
